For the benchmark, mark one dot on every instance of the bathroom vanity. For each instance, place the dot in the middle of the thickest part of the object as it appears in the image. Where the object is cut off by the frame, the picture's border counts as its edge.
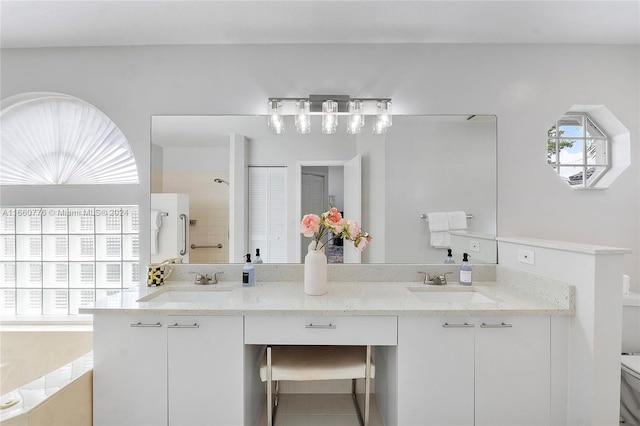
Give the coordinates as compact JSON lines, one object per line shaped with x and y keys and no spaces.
{"x":189,"y":354}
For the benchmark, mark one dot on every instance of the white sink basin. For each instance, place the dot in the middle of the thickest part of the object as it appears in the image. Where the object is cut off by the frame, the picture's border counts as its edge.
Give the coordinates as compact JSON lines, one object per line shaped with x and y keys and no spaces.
{"x":451,"y":296}
{"x":188,"y":296}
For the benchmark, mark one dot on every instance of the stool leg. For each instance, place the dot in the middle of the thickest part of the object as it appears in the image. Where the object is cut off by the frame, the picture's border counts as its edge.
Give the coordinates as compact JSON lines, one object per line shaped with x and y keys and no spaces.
{"x":269,"y":392}
{"x":367,"y":386}
{"x":276,"y":398}
{"x":354,"y":396}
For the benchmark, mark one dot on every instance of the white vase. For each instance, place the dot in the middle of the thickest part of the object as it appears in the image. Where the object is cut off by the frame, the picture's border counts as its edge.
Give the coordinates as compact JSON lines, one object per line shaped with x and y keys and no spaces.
{"x":315,"y":273}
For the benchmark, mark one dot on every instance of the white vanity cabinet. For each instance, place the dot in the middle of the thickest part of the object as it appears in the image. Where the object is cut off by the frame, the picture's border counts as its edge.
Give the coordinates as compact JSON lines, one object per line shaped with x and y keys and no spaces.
{"x":129,"y":370}
{"x":483,"y":371}
{"x":168,"y":370}
{"x":204,"y":369}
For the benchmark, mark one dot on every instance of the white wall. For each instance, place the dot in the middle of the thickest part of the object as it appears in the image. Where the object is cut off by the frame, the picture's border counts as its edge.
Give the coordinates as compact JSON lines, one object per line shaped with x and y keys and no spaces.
{"x":526,"y":86}
{"x":196,"y":159}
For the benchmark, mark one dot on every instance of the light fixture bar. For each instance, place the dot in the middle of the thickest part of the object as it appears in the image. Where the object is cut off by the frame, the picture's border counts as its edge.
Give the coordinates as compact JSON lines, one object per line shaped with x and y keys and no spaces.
{"x":357,"y":109}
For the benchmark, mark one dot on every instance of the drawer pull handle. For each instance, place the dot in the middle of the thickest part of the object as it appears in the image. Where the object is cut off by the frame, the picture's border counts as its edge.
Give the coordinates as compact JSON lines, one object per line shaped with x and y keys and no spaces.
{"x":176,"y":325}
{"x":311,"y":325}
{"x":140,"y":324}
{"x":501,"y":325}
{"x":465,"y":325}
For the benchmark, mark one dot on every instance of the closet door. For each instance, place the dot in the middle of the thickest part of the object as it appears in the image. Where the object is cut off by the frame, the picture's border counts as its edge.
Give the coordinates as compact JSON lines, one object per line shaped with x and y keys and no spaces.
{"x":268,"y":213}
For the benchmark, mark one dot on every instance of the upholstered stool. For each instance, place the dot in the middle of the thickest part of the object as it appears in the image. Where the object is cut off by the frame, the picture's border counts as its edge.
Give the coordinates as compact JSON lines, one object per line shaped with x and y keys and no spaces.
{"x":299,"y":363}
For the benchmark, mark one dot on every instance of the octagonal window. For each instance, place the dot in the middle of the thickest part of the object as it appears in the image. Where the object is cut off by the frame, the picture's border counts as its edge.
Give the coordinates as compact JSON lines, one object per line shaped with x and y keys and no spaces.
{"x":578,"y":150}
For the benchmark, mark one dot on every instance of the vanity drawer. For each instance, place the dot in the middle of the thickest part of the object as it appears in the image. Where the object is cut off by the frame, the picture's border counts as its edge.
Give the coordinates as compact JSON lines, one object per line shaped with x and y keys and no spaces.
{"x":321,"y":330}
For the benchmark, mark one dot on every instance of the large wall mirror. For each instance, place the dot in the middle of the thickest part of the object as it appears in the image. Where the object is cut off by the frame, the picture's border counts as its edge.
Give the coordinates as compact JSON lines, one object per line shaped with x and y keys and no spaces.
{"x":223,"y":186}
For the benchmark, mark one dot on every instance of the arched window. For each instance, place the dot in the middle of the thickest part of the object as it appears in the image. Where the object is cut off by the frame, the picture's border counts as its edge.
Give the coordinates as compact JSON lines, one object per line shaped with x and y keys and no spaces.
{"x":57,"y":139}
{"x":56,"y":258}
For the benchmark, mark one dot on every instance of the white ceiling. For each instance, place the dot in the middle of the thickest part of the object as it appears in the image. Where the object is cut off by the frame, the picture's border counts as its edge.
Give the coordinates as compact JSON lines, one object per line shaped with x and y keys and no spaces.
{"x":120,"y":23}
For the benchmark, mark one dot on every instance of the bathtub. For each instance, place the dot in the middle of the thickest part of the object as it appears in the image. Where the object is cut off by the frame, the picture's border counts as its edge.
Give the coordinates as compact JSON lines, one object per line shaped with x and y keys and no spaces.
{"x":46,"y":374}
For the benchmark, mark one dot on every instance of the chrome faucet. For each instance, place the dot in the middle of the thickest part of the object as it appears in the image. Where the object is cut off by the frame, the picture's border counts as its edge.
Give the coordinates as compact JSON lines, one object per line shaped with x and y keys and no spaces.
{"x":436,"y":279}
{"x":206,"y":279}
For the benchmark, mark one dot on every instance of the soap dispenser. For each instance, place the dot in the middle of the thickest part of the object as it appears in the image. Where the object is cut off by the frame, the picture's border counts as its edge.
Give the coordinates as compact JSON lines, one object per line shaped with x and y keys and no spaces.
{"x":257,"y":259}
{"x":465,"y":270}
{"x":248,"y":273}
{"x":449,"y":258}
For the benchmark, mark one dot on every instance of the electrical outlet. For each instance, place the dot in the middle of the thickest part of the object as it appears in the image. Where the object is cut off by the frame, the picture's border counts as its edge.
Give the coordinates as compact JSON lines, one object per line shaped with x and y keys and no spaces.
{"x":526,"y":256}
{"x":474,"y":245}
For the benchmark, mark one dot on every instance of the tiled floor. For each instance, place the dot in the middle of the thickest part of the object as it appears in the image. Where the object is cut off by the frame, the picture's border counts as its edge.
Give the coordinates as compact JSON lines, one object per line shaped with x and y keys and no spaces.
{"x":320,"y":410}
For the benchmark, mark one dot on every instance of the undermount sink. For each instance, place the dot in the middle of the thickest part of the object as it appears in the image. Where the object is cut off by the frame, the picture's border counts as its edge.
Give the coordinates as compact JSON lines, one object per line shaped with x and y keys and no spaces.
{"x":188,"y":296}
{"x":452,"y":296}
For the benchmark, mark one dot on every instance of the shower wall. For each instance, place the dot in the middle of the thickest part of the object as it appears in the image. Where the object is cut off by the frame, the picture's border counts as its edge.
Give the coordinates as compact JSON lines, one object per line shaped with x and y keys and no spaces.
{"x":209,"y":207}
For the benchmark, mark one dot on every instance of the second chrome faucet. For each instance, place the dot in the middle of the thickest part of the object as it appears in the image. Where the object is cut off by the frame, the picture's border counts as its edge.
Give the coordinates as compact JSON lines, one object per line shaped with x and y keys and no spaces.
{"x":436,"y":279}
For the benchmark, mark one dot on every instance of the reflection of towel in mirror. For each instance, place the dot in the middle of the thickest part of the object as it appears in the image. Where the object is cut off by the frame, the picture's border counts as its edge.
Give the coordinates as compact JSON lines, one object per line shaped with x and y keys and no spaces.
{"x":441,"y":239}
{"x":457,"y":220}
{"x":438,"y":221}
{"x":156,"y":223}
{"x":439,"y":228}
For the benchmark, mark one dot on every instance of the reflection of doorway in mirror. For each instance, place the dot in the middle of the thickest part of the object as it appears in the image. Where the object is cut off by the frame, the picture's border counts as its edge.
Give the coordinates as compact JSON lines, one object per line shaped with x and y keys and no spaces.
{"x":209,"y":207}
{"x":322,"y":187}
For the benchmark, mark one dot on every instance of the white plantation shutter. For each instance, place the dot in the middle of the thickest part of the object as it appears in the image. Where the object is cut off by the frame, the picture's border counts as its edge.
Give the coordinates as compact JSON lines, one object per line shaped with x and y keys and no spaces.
{"x":268,"y":213}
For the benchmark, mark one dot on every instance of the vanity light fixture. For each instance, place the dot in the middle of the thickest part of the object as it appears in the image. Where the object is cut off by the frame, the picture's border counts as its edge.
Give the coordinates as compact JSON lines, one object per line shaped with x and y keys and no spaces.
{"x":276,"y":121}
{"x":383,"y":117}
{"x":303,"y":119}
{"x":329,"y":118}
{"x":330,"y":108}
{"x":356,"y":119}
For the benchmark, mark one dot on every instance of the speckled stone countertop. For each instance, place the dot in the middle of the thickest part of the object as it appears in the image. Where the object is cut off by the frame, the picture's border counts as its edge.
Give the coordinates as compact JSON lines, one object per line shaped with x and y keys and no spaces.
{"x":343,"y":298}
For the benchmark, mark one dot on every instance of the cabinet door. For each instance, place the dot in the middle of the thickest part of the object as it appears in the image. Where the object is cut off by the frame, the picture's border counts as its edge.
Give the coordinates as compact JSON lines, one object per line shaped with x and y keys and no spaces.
{"x":129,"y":372}
{"x":512,"y":371}
{"x":435,"y":371}
{"x":205,"y":370}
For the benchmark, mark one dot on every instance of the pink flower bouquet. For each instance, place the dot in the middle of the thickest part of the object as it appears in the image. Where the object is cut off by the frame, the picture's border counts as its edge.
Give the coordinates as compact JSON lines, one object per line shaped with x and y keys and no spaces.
{"x":319,"y":227}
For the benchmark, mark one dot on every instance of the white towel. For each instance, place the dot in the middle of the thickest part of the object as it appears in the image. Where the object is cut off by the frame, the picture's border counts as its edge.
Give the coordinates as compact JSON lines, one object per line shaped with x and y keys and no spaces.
{"x":441,"y":239}
{"x":156,"y":223}
{"x":438,"y":221}
{"x":457,"y":220}
{"x":439,"y":228}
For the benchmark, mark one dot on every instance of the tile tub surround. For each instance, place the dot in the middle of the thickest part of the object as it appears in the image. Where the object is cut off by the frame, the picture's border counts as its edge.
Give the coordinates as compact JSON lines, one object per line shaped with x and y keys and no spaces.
{"x":61,"y":397}
{"x":29,"y":351}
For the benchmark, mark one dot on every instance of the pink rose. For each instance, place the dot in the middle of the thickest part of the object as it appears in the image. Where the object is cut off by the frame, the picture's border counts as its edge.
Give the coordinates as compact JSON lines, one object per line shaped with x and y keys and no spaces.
{"x":333,"y":219}
{"x":353,"y":230}
{"x":310,"y":225}
{"x":361,"y":243}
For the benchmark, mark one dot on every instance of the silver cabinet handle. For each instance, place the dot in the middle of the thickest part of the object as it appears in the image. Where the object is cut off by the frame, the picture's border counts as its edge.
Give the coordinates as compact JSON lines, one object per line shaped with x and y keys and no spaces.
{"x":140,"y":324}
{"x":501,"y":325}
{"x":176,"y":325}
{"x":311,"y":325}
{"x":183,"y":251}
{"x":465,"y":325}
